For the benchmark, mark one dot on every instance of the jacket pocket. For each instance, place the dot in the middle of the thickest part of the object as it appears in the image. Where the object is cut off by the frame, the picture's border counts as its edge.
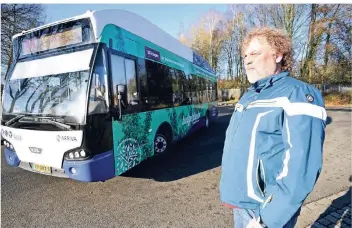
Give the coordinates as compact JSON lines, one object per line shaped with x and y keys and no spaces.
{"x":260,"y":177}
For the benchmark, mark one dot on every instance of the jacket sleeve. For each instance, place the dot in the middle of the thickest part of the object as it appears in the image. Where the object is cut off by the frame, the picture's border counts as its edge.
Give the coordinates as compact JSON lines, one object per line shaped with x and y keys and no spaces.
{"x":303,"y":133}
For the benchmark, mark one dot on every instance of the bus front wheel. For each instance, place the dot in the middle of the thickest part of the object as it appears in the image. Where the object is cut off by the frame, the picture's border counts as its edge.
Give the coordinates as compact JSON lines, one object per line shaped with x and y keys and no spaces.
{"x":207,"y":120}
{"x":161,"y":143}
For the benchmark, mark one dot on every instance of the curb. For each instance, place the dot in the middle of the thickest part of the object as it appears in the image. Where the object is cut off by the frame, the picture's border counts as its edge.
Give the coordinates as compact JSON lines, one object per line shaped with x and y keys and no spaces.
{"x":330,"y":211}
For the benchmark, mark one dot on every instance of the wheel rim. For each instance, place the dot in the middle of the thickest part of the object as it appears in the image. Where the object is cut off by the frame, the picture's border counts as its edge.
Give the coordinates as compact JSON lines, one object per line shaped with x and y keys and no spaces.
{"x":160,"y":144}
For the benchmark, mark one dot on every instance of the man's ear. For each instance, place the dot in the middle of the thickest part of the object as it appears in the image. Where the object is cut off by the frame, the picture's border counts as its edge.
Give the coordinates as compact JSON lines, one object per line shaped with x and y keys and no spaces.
{"x":279,"y":57}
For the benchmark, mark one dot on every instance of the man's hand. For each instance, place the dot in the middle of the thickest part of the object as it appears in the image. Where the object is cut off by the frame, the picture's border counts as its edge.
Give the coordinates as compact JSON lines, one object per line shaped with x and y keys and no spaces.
{"x":254,"y":224}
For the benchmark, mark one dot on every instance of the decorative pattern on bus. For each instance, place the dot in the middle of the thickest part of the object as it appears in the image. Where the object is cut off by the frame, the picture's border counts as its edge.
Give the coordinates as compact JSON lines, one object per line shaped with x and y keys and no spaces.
{"x":134,"y":135}
{"x":133,"y":139}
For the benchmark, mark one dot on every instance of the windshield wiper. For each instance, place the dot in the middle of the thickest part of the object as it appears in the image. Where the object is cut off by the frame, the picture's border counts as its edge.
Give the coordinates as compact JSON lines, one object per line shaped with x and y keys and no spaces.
{"x":57,"y":124}
{"x":7,"y":123}
{"x":47,"y":120}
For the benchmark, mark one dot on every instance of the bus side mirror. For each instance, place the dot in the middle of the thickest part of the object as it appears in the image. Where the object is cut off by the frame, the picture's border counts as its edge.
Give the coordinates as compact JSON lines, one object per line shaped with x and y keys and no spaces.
{"x":120,"y":89}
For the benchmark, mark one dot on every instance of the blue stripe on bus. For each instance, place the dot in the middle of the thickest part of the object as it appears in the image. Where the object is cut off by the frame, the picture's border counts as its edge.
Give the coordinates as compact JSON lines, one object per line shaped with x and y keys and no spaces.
{"x":99,"y":168}
{"x":11,"y":157}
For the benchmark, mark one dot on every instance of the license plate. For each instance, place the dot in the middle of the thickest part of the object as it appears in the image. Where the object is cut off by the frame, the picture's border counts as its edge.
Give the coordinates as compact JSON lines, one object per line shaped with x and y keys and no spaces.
{"x":42,"y":168}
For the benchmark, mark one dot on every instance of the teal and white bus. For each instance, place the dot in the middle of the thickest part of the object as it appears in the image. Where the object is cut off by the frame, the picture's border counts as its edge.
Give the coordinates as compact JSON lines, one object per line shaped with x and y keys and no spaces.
{"x":90,"y":97}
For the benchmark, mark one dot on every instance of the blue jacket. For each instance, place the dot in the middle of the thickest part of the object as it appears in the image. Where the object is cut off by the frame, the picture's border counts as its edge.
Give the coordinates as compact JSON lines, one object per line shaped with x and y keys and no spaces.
{"x":273,"y":148}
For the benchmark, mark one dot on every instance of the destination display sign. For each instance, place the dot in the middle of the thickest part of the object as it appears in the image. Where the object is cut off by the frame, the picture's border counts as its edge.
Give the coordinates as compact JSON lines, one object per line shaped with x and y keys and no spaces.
{"x":52,"y":41}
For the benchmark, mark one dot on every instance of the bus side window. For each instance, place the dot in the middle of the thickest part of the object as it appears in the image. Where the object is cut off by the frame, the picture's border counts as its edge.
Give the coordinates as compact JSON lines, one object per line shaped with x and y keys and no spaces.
{"x":200,"y":89}
{"x":118,"y":76}
{"x":187,"y":83}
{"x":176,"y":76}
{"x":215,"y":89}
{"x":159,"y":85}
{"x":124,"y":73}
{"x":203,"y":92}
{"x":212,"y":91}
{"x":208,"y":91}
{"x":194,"y":90}
{"x":132,"y":95}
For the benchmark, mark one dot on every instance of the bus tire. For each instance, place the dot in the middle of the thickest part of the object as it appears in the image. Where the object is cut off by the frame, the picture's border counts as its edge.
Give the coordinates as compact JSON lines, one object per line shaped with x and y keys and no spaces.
{"x":207,"y":120}
{"x":162,"y":142}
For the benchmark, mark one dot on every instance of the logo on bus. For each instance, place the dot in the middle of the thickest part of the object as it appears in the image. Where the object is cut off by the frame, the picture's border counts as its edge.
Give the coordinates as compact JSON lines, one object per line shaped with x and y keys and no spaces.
{"x":36,"y":150}
{"x":61,"y":138}
{"x":6,"y":133}
{"x":11,"y":135}
{"x":190,"y":119}
{"x":152,"y":54}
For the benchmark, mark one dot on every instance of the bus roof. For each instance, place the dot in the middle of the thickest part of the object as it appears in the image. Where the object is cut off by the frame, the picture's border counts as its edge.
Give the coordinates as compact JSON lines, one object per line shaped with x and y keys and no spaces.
{"x":136,"y":25}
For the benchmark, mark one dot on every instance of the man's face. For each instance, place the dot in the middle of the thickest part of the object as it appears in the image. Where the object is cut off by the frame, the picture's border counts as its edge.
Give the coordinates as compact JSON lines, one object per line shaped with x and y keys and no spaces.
{"x":260,"y":60}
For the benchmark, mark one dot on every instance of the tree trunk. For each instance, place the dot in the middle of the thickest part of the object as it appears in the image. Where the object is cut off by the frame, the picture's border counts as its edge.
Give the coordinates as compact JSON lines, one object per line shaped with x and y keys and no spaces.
{"x":307,"y":68}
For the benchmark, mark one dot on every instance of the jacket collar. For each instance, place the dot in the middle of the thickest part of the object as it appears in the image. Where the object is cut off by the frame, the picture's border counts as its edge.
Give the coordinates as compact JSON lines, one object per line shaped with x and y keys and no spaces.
{"x":267,"y":82}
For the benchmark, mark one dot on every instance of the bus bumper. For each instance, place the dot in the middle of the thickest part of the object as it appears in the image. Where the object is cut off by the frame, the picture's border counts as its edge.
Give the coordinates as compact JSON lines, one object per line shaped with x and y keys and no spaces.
{"x":101,"y":167}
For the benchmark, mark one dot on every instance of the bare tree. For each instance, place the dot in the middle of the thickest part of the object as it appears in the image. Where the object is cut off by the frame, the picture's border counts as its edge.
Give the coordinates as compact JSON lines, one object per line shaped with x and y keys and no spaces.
{"x":206,"y":38}
{"x":336,"y":47}
{"x":329,"y":30}
{"x":16,"y":18}
{"x":229,"y":47}
{"x":211,"y":23}
{"x":182,"y":35}
{"x":321,"y":36}
{"x":257,"y":15}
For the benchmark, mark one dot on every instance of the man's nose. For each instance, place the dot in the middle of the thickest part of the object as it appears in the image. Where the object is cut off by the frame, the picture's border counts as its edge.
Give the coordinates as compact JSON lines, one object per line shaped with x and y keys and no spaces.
{"x":248,"y":62}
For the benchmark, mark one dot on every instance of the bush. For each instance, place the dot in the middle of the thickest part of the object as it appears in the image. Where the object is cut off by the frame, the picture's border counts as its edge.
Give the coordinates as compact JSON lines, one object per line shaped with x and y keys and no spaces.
{"x":336,"y":98}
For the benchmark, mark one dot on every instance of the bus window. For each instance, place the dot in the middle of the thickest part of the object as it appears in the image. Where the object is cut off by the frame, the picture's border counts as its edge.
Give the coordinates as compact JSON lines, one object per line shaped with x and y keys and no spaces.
{"x":132,"y":96}
{"x":197,"y":89}
{"x":212,"y":91}
{"x":159,"y":85}
{"x":183,"y":87}
{"x":142,"y":81}
{"x":118,"y":75}
{"x":186,"y":88}
{"x":176,"y":86}
{"x":215,"y":87}
{"x":194,"y":89}
{"x":208,"y":91}
{"x":99,"y":102}
{"x":201,"y":90}
{"x":124,"y":73}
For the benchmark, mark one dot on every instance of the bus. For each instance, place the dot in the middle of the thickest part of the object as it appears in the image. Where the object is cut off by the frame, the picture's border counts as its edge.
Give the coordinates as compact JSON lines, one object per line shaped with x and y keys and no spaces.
{"x":92,"y":96}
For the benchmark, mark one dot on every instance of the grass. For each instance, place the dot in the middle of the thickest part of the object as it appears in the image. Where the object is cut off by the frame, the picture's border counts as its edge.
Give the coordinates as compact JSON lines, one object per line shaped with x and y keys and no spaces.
{"x":336,"y":98}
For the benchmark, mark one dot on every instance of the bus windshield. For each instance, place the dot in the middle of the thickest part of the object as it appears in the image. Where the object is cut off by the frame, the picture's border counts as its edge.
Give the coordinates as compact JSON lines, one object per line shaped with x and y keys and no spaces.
{"x":54,"y":86}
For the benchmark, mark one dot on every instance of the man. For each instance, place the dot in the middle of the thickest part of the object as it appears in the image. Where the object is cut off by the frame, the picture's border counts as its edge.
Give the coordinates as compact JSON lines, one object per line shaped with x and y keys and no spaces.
{"x":273,"y":148}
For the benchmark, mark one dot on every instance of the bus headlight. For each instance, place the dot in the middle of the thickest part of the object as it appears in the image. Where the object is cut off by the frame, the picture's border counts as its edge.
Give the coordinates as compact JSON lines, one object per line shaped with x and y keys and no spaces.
{"x":82,"y":153}
{"x":78,"y":154}
{"x":9,"y":145}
